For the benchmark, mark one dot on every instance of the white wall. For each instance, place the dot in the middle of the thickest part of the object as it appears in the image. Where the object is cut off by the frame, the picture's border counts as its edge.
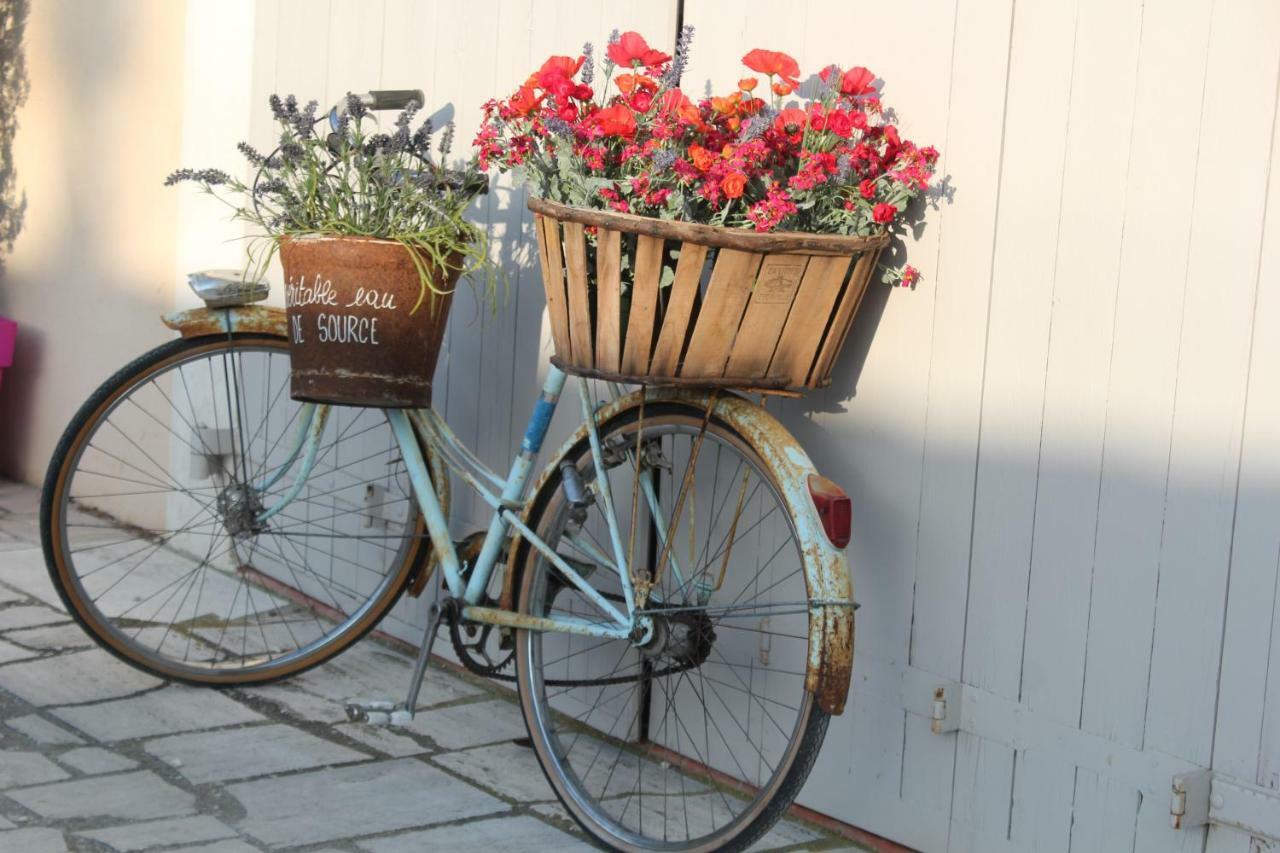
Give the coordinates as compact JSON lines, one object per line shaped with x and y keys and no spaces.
{"x":92,"y":269}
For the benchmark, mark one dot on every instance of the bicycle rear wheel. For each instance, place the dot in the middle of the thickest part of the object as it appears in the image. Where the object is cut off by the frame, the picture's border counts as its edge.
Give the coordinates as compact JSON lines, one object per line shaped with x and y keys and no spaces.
{"x":699,"y":735}
{"x":148,"y":507}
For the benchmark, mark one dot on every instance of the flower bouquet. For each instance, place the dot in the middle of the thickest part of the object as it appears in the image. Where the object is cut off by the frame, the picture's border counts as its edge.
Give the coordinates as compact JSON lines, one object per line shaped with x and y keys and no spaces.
{"x":718,"y":241}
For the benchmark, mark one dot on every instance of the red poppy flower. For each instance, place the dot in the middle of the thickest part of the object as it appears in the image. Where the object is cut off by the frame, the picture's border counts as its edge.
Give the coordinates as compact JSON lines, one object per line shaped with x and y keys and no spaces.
{"x":867,"y":189}
{"x":557,"y":68}
{"x":631,"y":50}
{"x":883,"y":213}
{"x":616,"y":121}
{"x":857,"y":81}
{"x":773,"y":62}
{"x":791,"y":120}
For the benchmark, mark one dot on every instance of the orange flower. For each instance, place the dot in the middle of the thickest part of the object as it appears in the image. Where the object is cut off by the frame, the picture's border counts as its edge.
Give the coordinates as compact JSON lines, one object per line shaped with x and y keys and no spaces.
{"x":616,"y":121}
{"x":524,"y":101}
{"x":675,"y":101}
{"x":733,"y":184}
{"x":773,"y":62}
{"x":726,"y":106}
{"x":748,"y":84}
{"x":702,"y":158}
{"x":783,"y":89}
{"x":628,"y":82}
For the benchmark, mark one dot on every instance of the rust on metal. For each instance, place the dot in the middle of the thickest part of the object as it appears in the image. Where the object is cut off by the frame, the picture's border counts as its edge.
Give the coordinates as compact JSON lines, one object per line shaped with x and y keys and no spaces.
{"x":829,"y":665}
{"x":361,"y":330}
{"x":198,"y":322}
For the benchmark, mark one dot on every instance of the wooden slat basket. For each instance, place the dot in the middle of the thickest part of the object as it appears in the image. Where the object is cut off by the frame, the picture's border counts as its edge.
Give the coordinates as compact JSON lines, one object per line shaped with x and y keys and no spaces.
{"x":659,"y":302}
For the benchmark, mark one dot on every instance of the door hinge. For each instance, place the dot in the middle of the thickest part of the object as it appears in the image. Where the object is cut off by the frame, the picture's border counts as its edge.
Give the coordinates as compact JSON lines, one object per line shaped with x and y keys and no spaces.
{"x":1206,"y":798}
{"x":947,"y":702}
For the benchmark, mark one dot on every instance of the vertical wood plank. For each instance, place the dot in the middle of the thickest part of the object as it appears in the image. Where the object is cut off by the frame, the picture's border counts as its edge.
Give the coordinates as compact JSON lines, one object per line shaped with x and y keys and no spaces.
{"x":675,"y":321}
{"x":1140,"y":397}
{"x":608,"y":299}
{"x":842,"y":320}
{"x":1026,"y":246}
{"x":768,"y":309}
{"x":644,"y":306}
{"x":721,"y":313}
{"x":809,"y":315}
{"x":978,"y":86}
{"x":548,"y":233}
{"x":1074,"y":411}
{"x":1247,"y":730}
{"x":575,"y":254}
{"x":1204,"y":465}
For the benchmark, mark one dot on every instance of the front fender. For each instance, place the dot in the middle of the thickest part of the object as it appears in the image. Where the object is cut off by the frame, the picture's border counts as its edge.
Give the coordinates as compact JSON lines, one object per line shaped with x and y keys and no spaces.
{"x":826,"y":568}
{"x":197,"y":322}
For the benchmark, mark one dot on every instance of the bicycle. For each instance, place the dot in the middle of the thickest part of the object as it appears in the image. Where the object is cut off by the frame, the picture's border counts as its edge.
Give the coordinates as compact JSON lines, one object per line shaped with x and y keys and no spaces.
{"x":673,"y":594}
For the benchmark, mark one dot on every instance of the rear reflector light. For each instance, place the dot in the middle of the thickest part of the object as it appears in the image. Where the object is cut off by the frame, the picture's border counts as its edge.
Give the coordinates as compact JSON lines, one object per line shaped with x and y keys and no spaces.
{"x":834,"y":508}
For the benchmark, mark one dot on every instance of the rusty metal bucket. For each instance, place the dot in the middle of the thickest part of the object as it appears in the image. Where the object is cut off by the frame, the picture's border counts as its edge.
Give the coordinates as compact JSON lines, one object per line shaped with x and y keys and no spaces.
{"x":354,"y":336}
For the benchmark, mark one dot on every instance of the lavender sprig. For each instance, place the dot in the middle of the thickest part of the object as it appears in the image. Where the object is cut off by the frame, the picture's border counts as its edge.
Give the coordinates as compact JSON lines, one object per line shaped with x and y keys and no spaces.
{"x":213,"y":177}
{"x":671,"y":78}
{"x":588,"y":63}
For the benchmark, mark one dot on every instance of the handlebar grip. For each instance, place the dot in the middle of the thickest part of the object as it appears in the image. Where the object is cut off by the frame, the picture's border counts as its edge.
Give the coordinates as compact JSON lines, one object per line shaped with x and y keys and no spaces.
{"x":394,"y":99}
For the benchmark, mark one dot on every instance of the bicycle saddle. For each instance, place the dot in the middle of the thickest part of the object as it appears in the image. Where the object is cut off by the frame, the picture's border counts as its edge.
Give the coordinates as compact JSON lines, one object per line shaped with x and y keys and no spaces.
{"x":227,"y":288}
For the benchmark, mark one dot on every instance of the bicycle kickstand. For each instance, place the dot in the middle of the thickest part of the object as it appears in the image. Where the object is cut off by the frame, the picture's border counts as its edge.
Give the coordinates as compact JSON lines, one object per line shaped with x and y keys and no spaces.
{"x":384,"y":712}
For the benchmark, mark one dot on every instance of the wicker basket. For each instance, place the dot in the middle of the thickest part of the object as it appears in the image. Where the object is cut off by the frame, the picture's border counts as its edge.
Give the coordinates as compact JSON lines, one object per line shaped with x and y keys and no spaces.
{"x":767,"y":312}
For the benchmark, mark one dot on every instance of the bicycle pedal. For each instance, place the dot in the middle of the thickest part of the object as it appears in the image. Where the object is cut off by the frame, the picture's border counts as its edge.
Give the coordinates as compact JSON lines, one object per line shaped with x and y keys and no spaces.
{"x":378,"y":712}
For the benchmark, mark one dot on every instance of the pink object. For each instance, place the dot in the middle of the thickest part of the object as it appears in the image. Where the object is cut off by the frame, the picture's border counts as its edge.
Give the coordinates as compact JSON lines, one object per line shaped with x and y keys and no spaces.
{"x":8,"y":335}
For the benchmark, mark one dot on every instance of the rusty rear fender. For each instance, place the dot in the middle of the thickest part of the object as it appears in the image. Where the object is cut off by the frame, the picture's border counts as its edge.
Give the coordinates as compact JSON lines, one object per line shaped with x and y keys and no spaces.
{"x":830,"y":656}
{"x":198,"y":322}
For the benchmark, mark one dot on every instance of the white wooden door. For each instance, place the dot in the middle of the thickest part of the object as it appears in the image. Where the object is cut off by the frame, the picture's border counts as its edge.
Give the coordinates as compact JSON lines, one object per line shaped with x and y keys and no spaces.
{"x":1063,"y":446}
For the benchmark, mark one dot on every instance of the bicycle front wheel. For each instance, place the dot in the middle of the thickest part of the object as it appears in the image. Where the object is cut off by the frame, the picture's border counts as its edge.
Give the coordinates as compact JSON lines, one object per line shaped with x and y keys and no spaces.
{"x":149,"y":508}
{"x":699,"y":735}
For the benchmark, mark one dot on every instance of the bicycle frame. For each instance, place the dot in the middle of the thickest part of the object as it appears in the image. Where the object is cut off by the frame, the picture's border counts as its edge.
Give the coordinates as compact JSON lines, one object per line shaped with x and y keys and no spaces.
{"x":504,"y":495}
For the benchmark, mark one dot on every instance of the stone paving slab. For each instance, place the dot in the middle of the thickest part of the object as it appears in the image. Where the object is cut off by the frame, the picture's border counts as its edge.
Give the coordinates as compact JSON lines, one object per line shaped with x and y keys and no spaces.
{"x":174,"y":709}
{"x":248,"y":752}
{"x":480,"y":836}
{"x":10,"y":653}
{"x":28,"y":615}
{"x":42,"y":731}
{"x":137,"y":795}
{"x":33,"y":840}
{"x":365,"y":799}
{"x":24,"y":570}
{"x":28,"y":768}
{"x":511,"y":770}
{"x":161,"y":833}
{"x":472,"y":724}
{"x":61,"y":637}
{"x":91,"y":760}
{"x":89,"y":676}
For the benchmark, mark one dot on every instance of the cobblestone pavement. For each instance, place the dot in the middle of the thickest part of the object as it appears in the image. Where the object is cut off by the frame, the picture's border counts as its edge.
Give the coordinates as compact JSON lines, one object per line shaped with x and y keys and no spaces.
{"x":97,"y":756}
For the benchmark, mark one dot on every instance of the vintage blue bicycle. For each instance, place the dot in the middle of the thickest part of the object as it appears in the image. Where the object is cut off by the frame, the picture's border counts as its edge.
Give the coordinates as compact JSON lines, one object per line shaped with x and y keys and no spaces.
{"x":669,"y":595}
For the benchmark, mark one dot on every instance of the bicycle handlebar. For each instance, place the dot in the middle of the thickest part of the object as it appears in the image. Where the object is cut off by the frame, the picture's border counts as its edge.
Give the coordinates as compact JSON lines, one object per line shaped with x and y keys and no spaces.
{"x":392,"y":99}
